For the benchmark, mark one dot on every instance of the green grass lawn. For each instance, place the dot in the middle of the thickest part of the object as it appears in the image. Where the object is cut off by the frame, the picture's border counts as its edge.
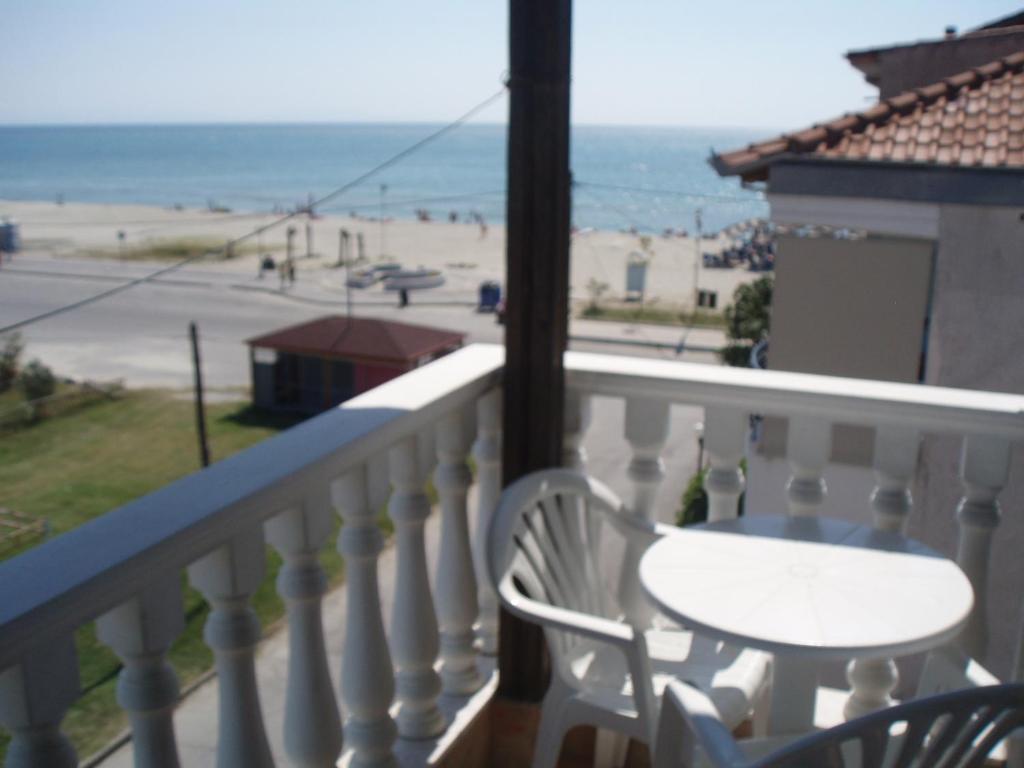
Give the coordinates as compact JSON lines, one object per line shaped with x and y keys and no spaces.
{"x":73,"y":467}
{"x":634,"y":313}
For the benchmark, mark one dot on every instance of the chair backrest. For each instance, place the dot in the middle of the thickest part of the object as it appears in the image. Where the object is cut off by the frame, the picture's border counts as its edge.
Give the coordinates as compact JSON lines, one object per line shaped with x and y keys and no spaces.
{"x":951,"y":730}
{"x":546,"y":538}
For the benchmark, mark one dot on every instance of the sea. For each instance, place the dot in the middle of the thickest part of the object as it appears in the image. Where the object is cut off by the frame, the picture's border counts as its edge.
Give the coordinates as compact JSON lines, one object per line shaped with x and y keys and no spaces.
{"x":648,"y":179}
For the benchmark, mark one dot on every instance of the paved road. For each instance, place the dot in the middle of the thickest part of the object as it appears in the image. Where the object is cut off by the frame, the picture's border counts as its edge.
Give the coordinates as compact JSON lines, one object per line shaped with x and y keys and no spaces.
{"x":140,"y":335}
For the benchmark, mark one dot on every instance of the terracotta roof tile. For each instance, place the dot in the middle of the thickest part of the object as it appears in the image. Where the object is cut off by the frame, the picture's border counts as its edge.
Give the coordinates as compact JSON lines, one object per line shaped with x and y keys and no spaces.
{"x":974,"y":118}
{"x":360,"y":338}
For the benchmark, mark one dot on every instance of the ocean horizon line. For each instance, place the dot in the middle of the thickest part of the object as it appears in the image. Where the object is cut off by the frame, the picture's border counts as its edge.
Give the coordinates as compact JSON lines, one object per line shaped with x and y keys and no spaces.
{"x":369,"y":123}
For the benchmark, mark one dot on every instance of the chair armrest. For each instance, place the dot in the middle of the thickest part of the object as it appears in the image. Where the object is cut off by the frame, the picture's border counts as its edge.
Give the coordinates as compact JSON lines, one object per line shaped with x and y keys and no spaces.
{"x":595,"y":627}
{"x":689,"y":720}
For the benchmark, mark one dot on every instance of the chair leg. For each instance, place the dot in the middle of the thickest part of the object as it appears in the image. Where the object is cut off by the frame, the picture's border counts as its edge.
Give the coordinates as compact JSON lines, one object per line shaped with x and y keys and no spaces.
{"x":548,"y":747}
{"x":610,"y":748}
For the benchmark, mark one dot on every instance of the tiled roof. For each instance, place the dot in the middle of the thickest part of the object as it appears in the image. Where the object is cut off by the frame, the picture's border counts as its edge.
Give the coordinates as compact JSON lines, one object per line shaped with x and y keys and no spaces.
{"x":359,"y":338}
{"x":972,"y":119}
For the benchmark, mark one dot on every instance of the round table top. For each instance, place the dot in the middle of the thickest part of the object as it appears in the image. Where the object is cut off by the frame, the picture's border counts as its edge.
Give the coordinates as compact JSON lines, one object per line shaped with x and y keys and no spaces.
{"x":818,"y":587}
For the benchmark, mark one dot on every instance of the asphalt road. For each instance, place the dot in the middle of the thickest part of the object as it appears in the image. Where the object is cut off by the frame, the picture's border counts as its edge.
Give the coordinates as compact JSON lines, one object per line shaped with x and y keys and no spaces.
{"x":141,"y":336}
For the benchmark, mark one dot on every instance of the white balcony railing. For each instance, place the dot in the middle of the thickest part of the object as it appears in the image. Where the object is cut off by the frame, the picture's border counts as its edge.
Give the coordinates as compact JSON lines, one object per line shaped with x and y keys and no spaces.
{"x":124,"y":568}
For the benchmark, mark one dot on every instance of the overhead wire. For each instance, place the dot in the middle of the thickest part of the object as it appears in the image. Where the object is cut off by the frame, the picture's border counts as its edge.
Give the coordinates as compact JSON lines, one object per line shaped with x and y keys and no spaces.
{"x":312,"y":205}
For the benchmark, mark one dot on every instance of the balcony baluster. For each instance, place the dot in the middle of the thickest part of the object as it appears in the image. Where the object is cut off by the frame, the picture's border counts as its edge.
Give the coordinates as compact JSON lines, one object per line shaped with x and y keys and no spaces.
{"x":809,"y":446}
{"x":456,"y":580}
{"x":577,"y":419}
{"x":140,"y":632}
{"x":872,"y":681}
{"x":984,"y":468}
{"x":227,"y":577}
{"x":414,"y":633}
{"x":367,"y":679}
{"x":646,"y":428}
{"x":312,"y":725}
{"x":34,"y":697}
{"x":487,"y":454}
{"x":725,"y":438}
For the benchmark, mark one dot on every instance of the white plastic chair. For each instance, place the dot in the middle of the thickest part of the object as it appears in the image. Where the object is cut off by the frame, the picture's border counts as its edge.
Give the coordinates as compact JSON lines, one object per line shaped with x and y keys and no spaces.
{"x":544,"y":555}
{"x":958,"y":729}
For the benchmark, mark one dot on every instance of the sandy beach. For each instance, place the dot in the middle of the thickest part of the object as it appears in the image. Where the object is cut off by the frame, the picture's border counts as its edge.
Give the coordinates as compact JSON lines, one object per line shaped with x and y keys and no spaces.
{"x":464,"y":253}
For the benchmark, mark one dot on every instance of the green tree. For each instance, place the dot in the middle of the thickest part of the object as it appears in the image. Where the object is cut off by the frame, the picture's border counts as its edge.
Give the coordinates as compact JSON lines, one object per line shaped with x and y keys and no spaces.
{"x":747,"y":321}
{"x":36,"y":382}
{"x":10,"y":358}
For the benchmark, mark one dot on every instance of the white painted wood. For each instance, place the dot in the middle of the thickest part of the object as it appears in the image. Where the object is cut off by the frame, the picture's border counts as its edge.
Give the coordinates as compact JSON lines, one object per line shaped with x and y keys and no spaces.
{"x":725,"y":440}
{"x":880,"y":217}
{"x":414,"y":632}
{"x":576,"y":418}
{"x":312,"y":725}
{"x":646,"y":427}
{"x":808,"y":445}
{"x":367,"y":680}
{"x":140,"y":632}
{"x":487,"y":455}
{"x":872,"y":681}
{"x":227,"y":577}
{"x":984,"y":468}
{"x":456,"y":580}
{"x":34,"y":696}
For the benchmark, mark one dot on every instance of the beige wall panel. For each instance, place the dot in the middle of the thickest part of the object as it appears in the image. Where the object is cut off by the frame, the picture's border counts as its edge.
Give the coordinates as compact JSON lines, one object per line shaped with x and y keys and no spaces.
{"x":850,"y":307}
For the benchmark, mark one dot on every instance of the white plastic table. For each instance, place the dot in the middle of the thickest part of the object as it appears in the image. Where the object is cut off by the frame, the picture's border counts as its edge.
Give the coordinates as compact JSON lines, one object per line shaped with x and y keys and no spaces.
{"x":807,"y":589}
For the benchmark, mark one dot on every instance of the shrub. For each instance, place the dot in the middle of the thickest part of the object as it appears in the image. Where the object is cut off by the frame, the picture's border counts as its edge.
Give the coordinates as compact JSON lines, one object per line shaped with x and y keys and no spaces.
{"x":36,"y":382}
{"x":695,"y":499}
{"x":747,"y":321}
{"x":10,"y":357}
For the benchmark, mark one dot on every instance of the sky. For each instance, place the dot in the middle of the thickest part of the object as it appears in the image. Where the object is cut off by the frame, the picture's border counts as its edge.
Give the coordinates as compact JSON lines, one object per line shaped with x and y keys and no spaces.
{"x":750,"y":63}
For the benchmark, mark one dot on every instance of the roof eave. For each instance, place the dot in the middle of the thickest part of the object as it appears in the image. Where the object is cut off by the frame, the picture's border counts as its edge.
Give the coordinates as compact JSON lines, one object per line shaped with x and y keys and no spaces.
{"x":748,"y":172}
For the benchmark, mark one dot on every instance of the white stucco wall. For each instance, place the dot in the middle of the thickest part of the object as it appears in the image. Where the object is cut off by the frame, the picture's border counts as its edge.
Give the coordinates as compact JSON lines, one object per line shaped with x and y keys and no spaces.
{"x":976,"y":341}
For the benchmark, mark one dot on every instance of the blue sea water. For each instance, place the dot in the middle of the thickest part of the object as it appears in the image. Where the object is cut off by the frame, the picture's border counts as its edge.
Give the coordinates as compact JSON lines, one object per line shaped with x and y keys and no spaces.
{"x":648,"y":178}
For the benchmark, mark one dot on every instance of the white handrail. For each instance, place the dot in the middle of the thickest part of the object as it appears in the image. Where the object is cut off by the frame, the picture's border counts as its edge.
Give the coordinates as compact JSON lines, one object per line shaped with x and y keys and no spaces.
{"x":779,"y":393}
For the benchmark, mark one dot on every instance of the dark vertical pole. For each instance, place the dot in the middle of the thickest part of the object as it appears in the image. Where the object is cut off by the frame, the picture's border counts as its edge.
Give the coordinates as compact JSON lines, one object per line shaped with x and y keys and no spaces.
{"x":204,"y":450}
{"x":537,"y":257}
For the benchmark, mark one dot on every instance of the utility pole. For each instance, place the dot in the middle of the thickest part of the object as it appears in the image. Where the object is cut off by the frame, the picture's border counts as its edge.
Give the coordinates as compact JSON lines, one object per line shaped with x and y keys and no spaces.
{"x":309,"y":239}
{"x":343,"y":258}
{"x":383,"y":191}
{"x":204,"y":449}
{"x":696,"y":259}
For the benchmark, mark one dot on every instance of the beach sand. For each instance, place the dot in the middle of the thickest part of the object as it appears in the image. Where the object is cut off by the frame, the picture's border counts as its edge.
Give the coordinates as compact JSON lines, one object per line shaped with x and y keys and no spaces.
{"x":461,"y":251}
